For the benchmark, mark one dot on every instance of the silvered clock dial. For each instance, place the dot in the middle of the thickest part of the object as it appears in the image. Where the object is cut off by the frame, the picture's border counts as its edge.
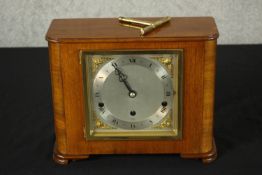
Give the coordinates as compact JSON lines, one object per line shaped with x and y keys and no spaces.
{"x":132,"y":92}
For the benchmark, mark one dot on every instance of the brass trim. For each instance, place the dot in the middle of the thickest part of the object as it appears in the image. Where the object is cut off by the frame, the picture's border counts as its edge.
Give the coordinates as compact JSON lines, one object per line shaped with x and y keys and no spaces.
{"x":148,"y":26}
{"x":108,"y":133}
{"x":134,"y":21}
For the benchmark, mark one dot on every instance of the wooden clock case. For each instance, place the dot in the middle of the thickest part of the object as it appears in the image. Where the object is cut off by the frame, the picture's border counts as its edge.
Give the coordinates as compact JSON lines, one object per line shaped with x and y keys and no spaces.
{"x":195,"y":35}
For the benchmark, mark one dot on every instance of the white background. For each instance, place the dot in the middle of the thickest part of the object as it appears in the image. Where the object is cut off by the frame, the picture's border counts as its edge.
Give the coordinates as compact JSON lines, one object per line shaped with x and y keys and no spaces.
{"x":23,"y":23}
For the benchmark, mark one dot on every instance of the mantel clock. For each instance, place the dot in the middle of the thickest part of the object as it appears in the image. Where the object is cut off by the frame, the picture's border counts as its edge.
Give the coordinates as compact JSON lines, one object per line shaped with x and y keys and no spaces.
{"x":117,"y":92}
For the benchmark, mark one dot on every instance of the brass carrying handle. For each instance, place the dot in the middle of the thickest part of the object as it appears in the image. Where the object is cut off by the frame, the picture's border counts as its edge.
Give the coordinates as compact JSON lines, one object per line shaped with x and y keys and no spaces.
{"x":149,"y":26}
{"x":133,"y":21}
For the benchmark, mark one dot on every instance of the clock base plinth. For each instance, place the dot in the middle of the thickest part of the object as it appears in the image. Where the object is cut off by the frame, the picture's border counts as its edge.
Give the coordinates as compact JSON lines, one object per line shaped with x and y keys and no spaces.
{"x":62,"y":159}
{"x":205,"y":157}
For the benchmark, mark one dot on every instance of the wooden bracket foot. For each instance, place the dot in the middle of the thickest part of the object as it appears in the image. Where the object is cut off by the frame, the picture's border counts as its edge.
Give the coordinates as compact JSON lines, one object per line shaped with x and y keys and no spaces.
{"x":205,"y":157}
{"x":64,"y":159}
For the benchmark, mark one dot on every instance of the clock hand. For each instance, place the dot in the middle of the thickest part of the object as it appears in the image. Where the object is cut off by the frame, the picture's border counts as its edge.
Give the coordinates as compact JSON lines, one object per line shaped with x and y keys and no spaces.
{"x":123,"y":78}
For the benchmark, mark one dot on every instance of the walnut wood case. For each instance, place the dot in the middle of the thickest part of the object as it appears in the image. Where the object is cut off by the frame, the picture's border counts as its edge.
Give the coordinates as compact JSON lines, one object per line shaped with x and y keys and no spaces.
{"x":195,"y":35}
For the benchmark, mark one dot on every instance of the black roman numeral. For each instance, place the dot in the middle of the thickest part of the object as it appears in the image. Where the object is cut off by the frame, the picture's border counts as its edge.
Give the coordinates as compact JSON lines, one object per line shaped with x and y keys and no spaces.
{"x":115,"y":122}
{"x":168,"y":93}
{"x":133,"y":126}
{"x":164,"y":76}
{"x":97,"y":94}
{"x":163,"y":109}
{"x":114,"y":65}
{"x":132,"y":60}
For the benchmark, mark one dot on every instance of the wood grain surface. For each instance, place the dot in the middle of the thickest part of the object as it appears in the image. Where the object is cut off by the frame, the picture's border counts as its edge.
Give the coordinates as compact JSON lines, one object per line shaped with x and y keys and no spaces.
{"x":110,"y":30}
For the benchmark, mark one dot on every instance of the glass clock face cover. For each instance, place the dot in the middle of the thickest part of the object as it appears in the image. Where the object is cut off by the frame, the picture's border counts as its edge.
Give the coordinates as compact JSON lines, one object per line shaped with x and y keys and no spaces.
{"x":132,"y":92}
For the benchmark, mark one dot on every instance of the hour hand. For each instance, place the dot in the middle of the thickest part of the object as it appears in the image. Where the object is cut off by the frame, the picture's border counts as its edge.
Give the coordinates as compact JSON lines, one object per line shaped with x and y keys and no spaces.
{"x":123,"y":78}
{"x":131,"y":93}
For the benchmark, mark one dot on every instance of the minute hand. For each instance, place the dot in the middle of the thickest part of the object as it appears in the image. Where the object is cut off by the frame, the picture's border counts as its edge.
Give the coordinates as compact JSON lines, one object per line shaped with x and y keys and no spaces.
{"x":123,"y":78}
